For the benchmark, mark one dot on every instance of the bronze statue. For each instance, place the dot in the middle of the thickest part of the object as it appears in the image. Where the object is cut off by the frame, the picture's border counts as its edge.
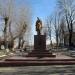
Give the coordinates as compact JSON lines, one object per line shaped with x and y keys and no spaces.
{"x":38,"y":26}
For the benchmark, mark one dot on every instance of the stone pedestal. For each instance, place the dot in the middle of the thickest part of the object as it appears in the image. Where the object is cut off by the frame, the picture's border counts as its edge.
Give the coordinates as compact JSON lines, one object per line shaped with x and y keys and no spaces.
{"x":40,"y":47}
{"x":39,"y":42}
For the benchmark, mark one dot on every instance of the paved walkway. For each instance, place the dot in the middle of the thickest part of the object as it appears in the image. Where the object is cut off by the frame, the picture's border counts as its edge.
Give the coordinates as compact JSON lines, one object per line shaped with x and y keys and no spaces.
{"x":39,"y":70}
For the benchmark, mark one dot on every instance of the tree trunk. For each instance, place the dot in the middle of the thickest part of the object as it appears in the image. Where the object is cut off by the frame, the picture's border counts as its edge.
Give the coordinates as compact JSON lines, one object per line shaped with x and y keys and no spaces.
{"x":22,"y":43}
{"x":5,"y":37}
{"x":5,"y":32}
{"x":64,"y":41}
{"x":56,"y":42}
{"x":70,"y":34}
{"x":19,"y":43}
{"x":70,"y":39}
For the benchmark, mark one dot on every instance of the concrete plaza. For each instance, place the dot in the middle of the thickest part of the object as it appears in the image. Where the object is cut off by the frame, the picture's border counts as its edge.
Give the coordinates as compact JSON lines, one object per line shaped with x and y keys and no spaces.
{"x":39,"y":70}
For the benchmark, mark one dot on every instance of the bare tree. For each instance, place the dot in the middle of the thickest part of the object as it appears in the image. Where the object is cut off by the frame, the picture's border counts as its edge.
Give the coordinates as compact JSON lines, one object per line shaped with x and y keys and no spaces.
{"x":53,"y":25}
{"x":56,"y":23}
{"x":49,"y":28}
{"x":67,"y":8}
{"x":21,"y":34}
{"x":62,"y":31}
{"x":6,"y":12}
{"x":23,"y":25}
{"x":17,"y":23}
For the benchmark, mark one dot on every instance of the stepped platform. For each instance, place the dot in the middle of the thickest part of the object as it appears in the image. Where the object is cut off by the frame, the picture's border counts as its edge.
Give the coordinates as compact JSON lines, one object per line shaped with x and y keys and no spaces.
{"x":35,"y":61}
{"x":22,"y":62}
{"x":41,"y":53}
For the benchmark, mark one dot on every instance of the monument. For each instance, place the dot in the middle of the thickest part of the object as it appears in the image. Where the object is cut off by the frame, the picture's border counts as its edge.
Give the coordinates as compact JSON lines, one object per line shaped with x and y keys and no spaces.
{"x":39,"y":52}
{"x":40,"y":43}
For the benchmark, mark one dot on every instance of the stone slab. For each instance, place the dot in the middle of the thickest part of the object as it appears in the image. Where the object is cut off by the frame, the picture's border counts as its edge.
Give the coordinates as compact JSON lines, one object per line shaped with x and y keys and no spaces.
{"x":35,"y":63}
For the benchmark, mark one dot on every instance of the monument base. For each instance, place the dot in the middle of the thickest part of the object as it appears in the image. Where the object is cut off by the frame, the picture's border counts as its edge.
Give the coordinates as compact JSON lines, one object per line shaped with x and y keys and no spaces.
{"x":40,"y":47}
{"x":44,"y":53}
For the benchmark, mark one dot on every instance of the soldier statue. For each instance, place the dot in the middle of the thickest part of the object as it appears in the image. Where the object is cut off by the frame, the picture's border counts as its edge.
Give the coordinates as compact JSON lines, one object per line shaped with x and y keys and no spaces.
{"x":38,"y":26}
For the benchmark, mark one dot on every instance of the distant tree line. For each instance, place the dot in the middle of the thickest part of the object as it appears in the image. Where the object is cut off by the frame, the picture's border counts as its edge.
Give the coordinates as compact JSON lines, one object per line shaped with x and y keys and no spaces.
{"x":62,"y":21}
